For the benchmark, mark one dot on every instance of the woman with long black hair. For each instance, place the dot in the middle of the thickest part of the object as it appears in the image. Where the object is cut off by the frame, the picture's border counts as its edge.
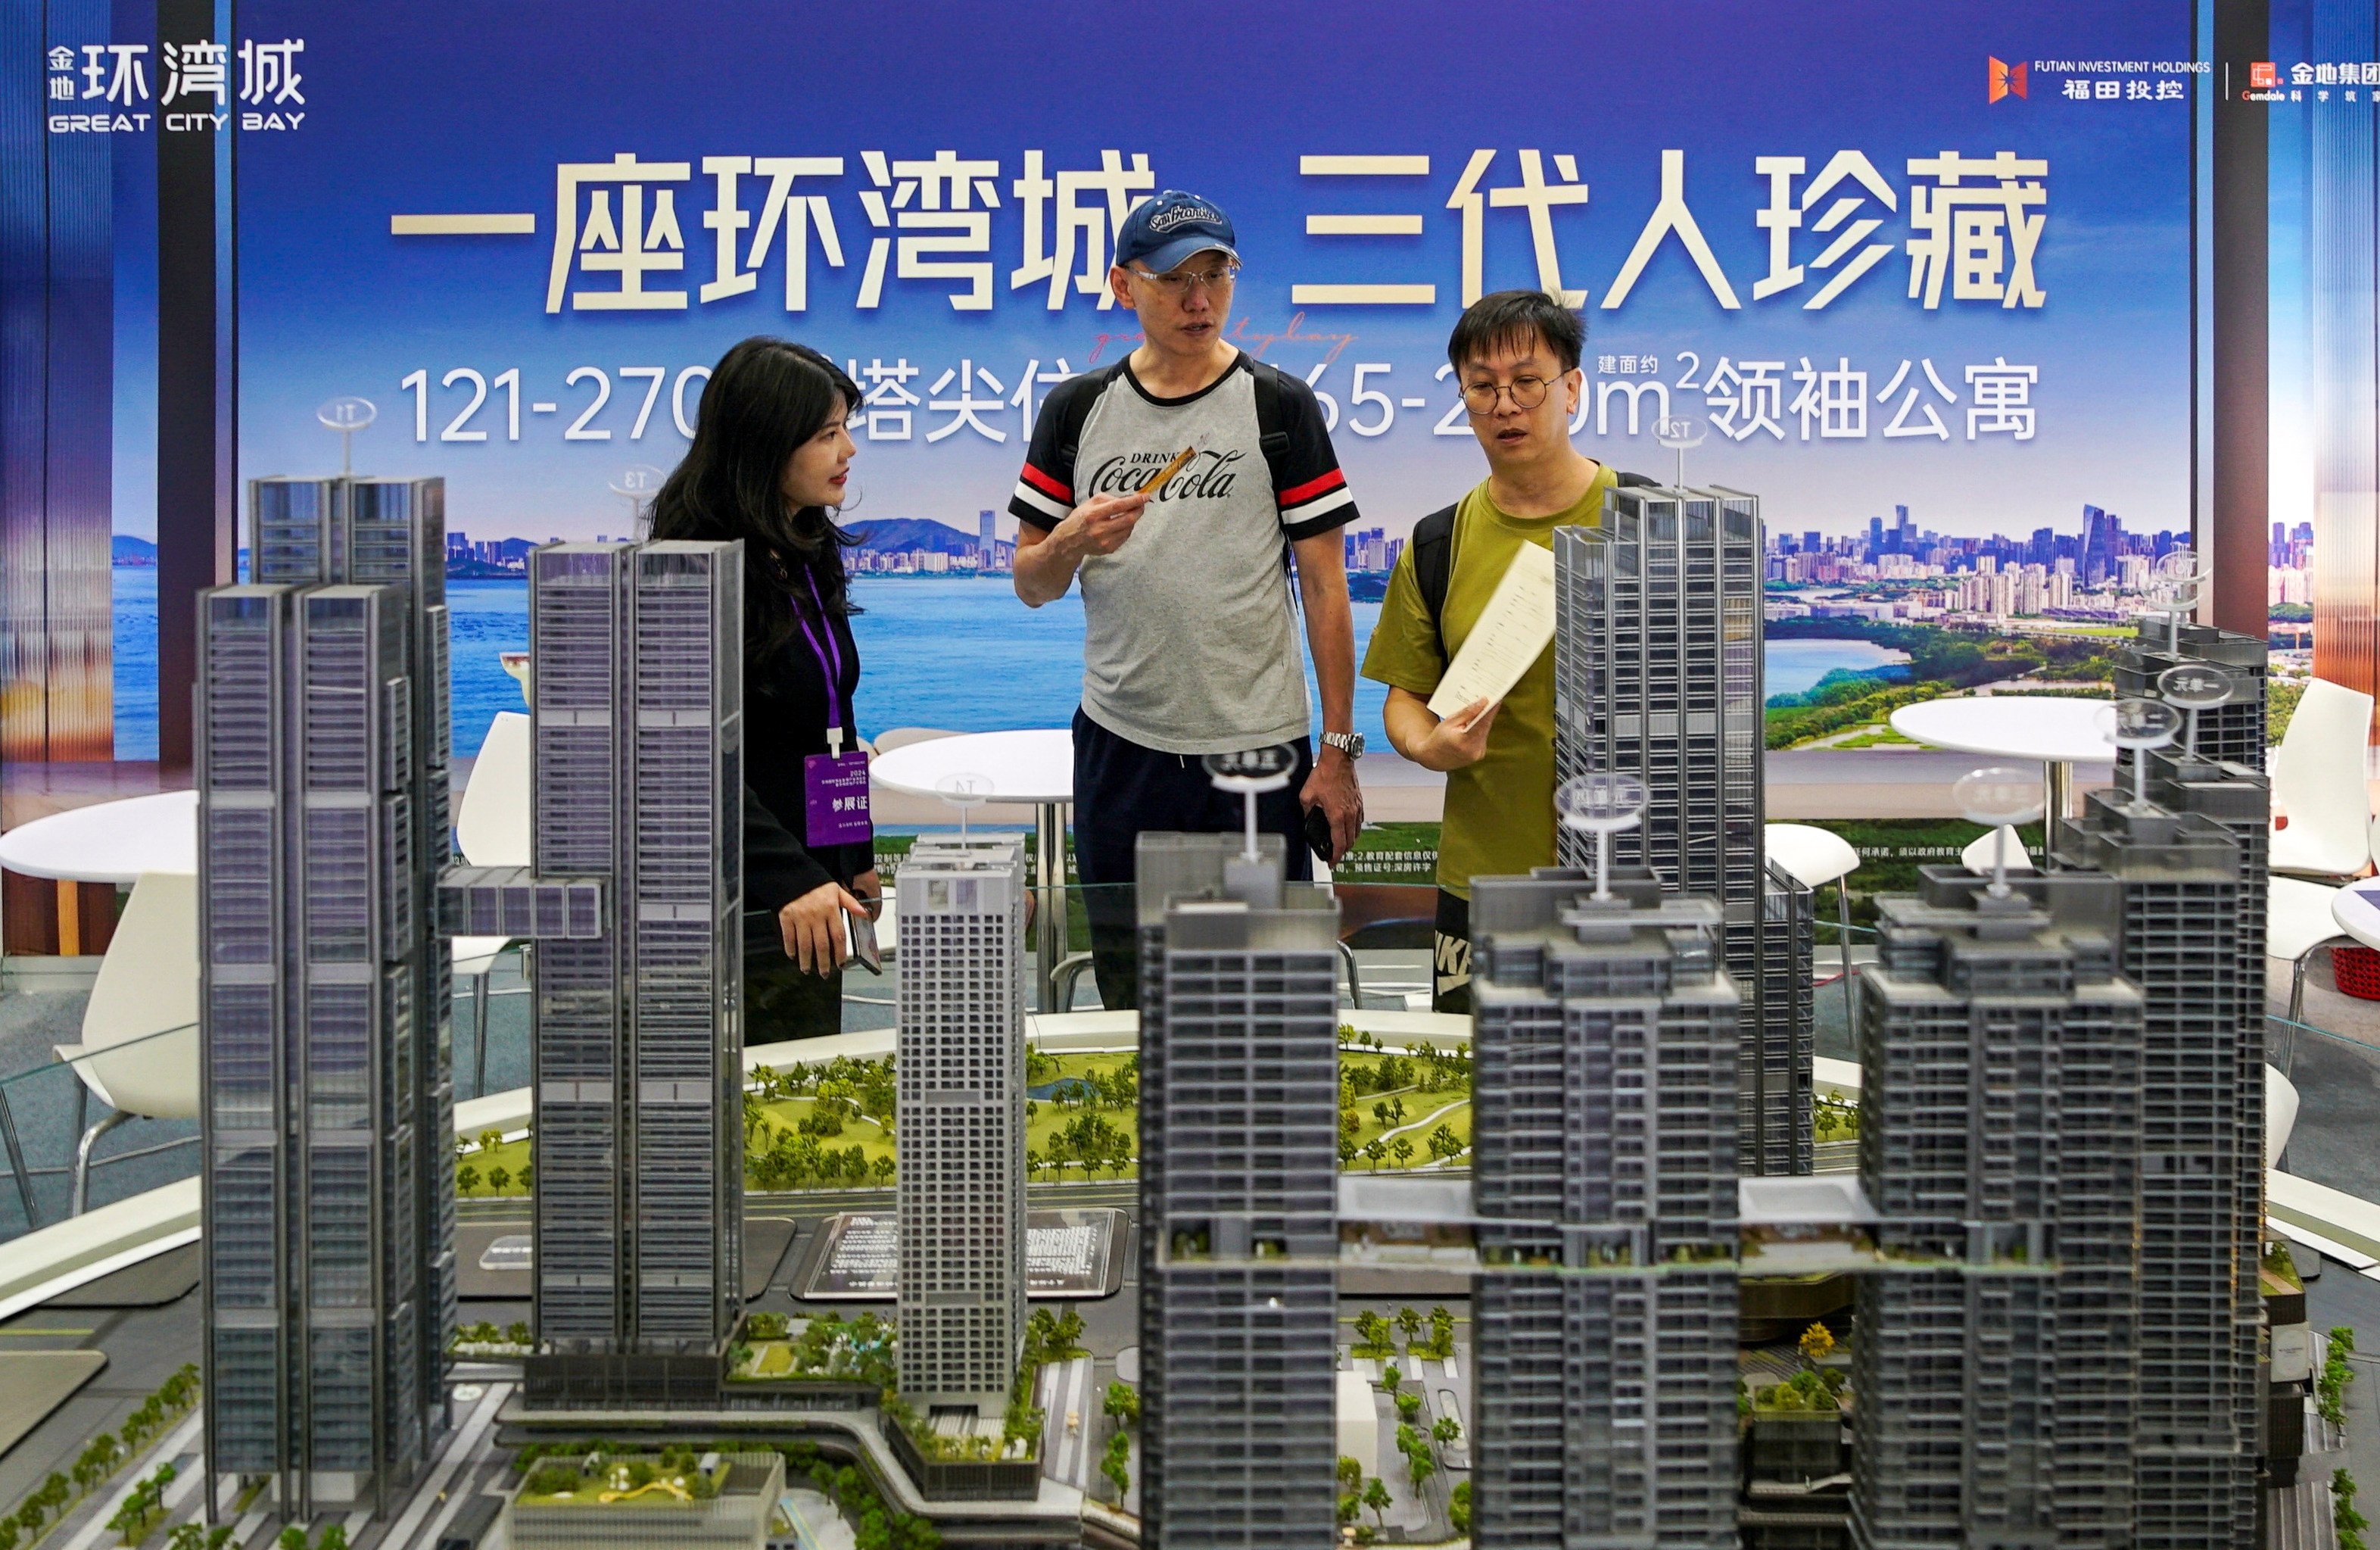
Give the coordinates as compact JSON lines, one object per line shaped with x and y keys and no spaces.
{"x":769,"y":465}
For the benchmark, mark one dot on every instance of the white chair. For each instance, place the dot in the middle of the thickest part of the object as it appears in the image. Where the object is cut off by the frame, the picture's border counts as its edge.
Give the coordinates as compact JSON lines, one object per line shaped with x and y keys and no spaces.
{"x":2297,"y":922}
{"x":491,"y":825}
{"x":492,"y":822}
{"x":902,"y":737}
{"x":2280,"y":1114}
{"x":2318,"y":781}
{"x":1816,"y":857}
{"x":1977,"y":857}
{"x":146,"y":996}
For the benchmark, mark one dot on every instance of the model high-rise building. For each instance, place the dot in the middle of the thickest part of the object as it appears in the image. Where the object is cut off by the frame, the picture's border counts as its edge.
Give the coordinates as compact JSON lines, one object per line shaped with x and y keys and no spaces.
{"x":960,"y":1066}
{"x":636,"y":739}
{"x":1239,"y":1094}
{"x":1605,"y":1053}
{"x":2000,"y":1139}
{"x":1657,"y":675}
{"x":2231,"y":733}
{"x":2181,"y":888}
{"x":323,"y":784}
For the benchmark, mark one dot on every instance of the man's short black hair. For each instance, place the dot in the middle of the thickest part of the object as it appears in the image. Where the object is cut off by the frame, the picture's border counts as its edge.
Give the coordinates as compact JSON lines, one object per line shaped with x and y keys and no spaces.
{"x":1516,"y":320}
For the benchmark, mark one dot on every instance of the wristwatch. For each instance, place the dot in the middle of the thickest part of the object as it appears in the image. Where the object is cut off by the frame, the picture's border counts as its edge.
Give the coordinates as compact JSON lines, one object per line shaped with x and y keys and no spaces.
{"x":1349,"y":743}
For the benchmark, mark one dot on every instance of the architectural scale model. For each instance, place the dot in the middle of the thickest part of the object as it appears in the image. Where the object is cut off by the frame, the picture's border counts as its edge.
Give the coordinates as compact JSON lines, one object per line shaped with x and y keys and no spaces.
{"x":1999,"y":1130}
{"x":959,"y":1064}
{"x":1657,"y":675}
{"x":1239,"y":1166}
{"x":328,"y":1203}
{"x":636,"y":750}
{"x":1604,"y":1125}
{"x":2182,"y":879}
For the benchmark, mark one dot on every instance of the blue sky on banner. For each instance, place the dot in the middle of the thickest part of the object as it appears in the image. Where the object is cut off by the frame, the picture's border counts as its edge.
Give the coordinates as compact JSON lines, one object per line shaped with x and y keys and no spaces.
{"x":1743,"y":200}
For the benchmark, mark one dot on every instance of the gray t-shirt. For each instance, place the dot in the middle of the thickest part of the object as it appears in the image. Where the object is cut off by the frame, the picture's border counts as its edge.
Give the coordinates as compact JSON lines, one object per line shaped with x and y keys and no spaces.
{"x":1190,"y":638}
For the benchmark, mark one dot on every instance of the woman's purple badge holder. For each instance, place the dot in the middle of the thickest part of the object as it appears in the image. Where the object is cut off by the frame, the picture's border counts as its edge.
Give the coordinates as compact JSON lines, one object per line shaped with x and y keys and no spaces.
{"x":834,"y":795}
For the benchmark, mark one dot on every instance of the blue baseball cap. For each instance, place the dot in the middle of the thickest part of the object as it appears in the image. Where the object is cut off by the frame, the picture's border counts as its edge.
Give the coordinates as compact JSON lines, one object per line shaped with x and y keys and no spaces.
{"x":1165,"y":231}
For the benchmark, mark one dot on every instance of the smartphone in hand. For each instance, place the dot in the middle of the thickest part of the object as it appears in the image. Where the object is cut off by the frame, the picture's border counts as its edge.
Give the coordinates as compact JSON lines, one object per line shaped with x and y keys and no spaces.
{"x":1318,"y":834}
{"x":860,"y":934}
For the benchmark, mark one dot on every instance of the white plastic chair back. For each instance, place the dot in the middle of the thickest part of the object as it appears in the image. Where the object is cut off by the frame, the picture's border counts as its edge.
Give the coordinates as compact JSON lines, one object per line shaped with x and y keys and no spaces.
{"x":902,"y":737}
{"x":148,"y":982}
{"x":2280,"y":1114}
{"x":492,"y":822}
{"x":1977,"y":857}
{"x":1814,"y":856}
{"x":2319,"y":783}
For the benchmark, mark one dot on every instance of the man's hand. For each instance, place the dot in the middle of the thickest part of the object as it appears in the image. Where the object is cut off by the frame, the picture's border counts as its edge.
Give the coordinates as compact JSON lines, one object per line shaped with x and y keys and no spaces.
{"x":868,"y":884}
{"x":1046,"y":562}
{"x":1332,"y":788}
{"x":813,"y":928}
{"x":1459,"y":739}
{"x":1100,"y":526}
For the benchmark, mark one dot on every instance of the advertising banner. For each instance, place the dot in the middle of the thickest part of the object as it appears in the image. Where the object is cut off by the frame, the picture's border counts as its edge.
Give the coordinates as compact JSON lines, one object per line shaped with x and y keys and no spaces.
{"x":1920,"y":280}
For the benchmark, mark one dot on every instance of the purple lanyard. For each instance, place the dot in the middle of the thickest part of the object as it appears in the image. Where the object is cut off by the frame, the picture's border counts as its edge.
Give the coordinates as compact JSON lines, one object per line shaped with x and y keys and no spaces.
{"x":829,"y":656}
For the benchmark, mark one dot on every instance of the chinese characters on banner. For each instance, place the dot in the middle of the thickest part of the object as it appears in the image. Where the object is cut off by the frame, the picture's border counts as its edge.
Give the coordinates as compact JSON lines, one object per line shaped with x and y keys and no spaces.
{"x":1972,"y":224}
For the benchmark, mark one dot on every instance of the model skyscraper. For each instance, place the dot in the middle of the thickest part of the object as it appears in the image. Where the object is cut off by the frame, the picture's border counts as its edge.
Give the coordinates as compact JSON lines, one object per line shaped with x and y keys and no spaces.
{"x":960,"y":1064}
{"x":636,"y":738}
{"x":322,"y":785}
{"x":1999,"y":1137}
{"x":2181,"y":884}
{"x":1657,"y":675}
{"x":1239,"y":1163}
{"x":1604,"y":1129}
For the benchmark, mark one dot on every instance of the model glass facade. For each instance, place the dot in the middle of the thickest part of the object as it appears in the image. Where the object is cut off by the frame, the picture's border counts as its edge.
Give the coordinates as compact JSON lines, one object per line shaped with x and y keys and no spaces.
{"x":1239,"y":1094}
{"x":1657,"y":675}
{"x":635,"y":736}
{"x":322,"y":781}
{"x":959,"y":1064}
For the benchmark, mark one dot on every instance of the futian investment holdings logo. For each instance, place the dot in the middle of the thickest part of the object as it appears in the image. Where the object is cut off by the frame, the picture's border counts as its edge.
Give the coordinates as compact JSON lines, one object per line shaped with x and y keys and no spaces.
{"x":2003,"y":79}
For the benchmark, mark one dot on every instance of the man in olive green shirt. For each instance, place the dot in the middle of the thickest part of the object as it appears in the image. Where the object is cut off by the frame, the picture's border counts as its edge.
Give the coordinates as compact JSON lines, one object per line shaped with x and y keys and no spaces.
{"x":1516,"y":354}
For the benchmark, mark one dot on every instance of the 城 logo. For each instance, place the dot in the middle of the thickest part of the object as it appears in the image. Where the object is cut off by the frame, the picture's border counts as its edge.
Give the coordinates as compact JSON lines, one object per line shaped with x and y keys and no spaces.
{"x":2004,"y":79}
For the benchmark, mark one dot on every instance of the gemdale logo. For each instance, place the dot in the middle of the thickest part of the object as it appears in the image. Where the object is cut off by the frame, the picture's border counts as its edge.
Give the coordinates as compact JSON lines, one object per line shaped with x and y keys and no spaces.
{"x":2004,"y":79}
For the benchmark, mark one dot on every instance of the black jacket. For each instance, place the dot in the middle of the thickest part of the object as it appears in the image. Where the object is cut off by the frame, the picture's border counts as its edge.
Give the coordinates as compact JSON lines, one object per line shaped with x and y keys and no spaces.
{"x":785,"y":718}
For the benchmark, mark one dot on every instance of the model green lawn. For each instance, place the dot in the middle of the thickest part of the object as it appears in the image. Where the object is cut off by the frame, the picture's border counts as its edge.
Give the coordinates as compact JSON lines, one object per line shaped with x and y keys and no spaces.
{"x":831,"y":1127}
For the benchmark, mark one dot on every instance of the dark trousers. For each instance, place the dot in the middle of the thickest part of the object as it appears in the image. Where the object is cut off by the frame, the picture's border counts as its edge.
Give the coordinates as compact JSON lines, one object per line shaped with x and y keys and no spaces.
{"x":1123,"y":789}
{"x":1450,"y":956}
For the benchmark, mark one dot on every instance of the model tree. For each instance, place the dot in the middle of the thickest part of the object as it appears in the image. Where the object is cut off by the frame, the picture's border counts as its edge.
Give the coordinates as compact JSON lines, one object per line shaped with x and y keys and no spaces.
{"x":1378,"y":1500}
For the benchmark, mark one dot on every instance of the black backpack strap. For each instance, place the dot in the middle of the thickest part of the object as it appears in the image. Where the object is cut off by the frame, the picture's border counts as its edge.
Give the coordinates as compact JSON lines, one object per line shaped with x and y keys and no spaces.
{"x":1433,"y":554}
{"x":1078,"y":411}
{"x":1632,"y":480}
{"x":1272,"y":429}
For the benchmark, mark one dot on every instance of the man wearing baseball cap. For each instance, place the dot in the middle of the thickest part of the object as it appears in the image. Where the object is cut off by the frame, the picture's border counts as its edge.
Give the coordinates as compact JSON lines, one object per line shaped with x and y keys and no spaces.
{"x":1189,"y":598}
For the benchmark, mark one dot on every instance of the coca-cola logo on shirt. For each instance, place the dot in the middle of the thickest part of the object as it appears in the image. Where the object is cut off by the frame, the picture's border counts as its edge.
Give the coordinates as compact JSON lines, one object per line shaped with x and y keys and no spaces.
{"x":1210,"y":476}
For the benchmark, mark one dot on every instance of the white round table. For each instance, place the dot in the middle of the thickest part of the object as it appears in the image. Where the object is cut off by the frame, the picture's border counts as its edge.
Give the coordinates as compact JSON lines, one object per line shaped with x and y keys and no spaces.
{"x":1035,"y":766}
{"x":2053,"y":731}
{"x":108,"y":842}
{"x":2356,"y":908}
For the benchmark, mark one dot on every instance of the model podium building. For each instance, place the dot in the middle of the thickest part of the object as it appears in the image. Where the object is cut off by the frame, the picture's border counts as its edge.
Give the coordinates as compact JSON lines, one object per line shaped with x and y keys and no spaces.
{"x":1239,"y":1164}
{"x":1604,"y":1056}
{"x":1658,"y":676}
{"x":959,"y":1064}
{"x":328,"y":1195}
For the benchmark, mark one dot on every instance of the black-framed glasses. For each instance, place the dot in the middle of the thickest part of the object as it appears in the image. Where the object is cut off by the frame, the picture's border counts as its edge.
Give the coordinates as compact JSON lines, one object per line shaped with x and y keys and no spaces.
{"x":1528,"y":392}
{"x":1177,"y":282}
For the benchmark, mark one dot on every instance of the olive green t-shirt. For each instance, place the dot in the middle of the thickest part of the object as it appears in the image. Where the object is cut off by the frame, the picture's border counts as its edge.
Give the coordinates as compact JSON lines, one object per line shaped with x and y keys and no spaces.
{"x":1500,"y":812}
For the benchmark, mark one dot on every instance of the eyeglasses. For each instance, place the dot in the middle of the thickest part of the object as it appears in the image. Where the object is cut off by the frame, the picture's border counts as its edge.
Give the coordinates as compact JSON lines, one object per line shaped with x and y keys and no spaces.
{"x":1177,"y":282}
{"x":1481,"y":398}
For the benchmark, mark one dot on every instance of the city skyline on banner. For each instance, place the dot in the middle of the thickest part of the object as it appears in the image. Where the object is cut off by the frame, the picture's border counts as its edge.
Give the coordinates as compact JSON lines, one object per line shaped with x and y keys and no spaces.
{"x":1909,"y":294}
